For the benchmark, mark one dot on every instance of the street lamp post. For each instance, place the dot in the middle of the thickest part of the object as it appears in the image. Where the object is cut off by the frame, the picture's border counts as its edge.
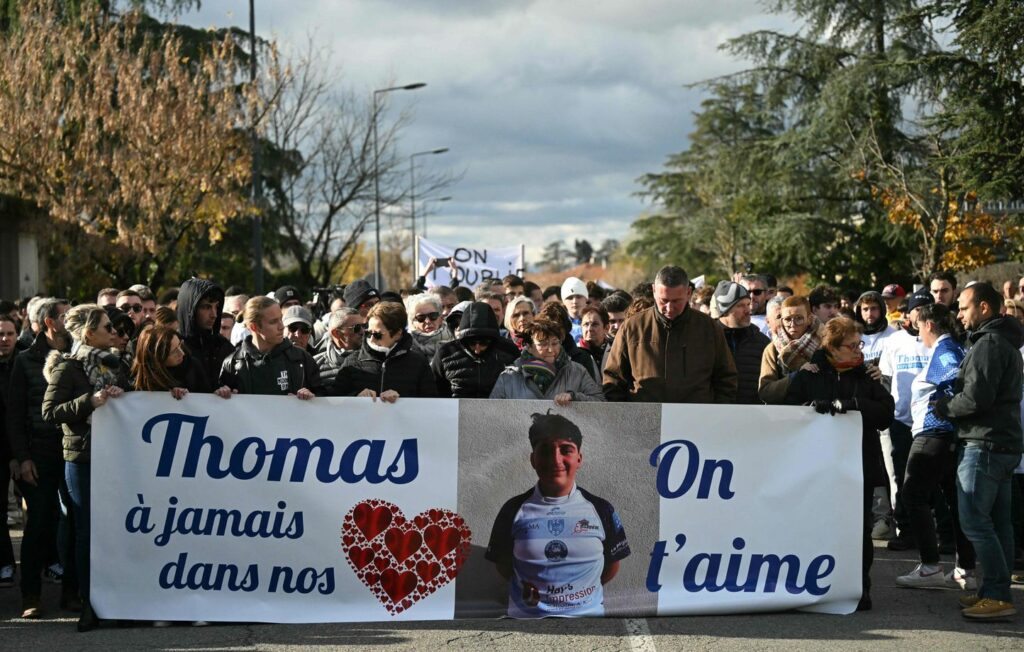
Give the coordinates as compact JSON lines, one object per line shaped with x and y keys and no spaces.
{"x":378,"y":277}
{"x":439,"y":199}
{"x":412,"y":202}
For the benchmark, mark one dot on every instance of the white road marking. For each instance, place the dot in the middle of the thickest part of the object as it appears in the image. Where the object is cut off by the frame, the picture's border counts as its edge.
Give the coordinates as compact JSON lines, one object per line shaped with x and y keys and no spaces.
{"x":639,"y":634}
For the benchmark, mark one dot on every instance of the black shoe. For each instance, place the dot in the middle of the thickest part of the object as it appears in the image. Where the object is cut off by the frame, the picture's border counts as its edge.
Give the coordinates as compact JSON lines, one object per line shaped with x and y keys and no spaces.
{"x":901,"y":543}
{"x":88,"y":620}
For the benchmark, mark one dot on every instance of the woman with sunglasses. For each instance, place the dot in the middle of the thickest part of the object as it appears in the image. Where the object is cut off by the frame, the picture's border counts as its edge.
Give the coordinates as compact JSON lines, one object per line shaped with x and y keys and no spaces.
{"x":161,"y":364}
{"x":544,"y":370}
{"x":78,"y":383}
{"x":519,"y":315}
{"x":426,"y":324}
{"x":469,"y":366}
{"x":387,"y":366}
{"x":840,"y":383}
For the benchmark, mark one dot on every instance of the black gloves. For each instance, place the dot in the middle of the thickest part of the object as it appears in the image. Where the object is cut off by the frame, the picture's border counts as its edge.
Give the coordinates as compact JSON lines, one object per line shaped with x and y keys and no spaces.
{"x":822,"y":406}
{"x":838,"y":406}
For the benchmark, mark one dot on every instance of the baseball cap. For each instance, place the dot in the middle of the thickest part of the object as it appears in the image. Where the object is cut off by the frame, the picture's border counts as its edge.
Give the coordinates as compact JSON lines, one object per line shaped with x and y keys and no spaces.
{"x":294,"y":314}
{"x":893,"y":291}
{"x":918,"y":299}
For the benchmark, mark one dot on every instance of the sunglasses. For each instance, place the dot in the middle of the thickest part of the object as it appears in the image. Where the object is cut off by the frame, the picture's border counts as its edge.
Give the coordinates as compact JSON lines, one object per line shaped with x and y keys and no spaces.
{"x":355,"y":328}
{"x":131,"y":307}
{"x":427,"y":316}
{"x":758,"y":292}
{"x":375,"y":335}
{"x":477,"y":341}
{"x":302,"y":328}
{"x":122,"y":333}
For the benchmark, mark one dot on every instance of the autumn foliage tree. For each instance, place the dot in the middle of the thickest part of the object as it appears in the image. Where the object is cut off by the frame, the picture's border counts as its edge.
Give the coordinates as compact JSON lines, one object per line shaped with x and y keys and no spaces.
{"x":132,"y":149}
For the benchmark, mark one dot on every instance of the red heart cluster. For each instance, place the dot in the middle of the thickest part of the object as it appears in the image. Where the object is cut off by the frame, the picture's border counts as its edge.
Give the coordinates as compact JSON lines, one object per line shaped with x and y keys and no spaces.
{"x":401,"y":560}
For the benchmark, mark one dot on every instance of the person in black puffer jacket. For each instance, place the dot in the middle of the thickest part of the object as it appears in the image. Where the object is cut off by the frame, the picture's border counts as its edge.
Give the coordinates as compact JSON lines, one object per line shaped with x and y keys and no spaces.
{"x":200,"y":306}
{"x":746,"y":341}
{"x":386,"y":366}
{"x":469,"y":366}
{"x":842,"y":384}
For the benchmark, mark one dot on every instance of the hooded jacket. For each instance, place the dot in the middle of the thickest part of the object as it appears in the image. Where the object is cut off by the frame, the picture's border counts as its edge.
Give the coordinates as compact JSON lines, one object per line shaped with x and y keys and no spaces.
{"x":285,"y":369}
{"x":400,"y":369}
{"x":873,"y":336}
{"x":875,"y":405}
{"x":462,"y":374}
{"x":985,"y":406}
{"x":207,"y":347}
{"x":683,"y":361}
{"x":31,"y":437}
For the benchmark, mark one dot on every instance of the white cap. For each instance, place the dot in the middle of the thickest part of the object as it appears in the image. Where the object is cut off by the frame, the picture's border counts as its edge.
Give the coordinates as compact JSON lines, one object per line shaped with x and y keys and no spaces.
{"x":573,"y":286}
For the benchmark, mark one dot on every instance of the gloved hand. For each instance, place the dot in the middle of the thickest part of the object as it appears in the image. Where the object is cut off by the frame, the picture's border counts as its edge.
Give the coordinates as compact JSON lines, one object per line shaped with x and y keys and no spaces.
{"x":822,"y":406}
{"x":843,"y":405}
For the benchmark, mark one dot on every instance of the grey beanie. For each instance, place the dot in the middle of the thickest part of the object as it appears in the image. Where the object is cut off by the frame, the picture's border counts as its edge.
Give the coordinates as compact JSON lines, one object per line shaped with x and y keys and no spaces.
{"x":728,"y":294}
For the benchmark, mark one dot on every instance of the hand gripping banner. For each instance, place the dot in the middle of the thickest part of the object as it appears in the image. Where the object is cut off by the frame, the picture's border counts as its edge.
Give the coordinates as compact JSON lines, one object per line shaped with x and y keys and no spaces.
{"x":270,"y":509}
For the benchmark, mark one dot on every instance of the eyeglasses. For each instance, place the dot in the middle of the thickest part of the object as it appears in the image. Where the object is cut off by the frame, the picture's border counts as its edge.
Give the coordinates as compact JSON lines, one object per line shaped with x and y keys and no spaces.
{"x":796,"y":320}
{"x":859,"y":346}
{"x":302,"y":328}
{"x":355,"y":328}
{"x":426,"y":316}
{"x":756,"y":292}
{"x":131,"y":307}
{"x":547,"y":344}
{"x":376,"y":335}
{"x":122,"y":332}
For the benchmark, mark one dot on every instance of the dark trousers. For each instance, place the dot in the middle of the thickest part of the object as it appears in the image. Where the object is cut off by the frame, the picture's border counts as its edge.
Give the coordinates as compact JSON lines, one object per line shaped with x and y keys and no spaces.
{"x":6,"y":547}
{"x":868,"y":546}
{"x":902,"y":439}
{"x":42,"y":526}
{"x":931,"y":465}
{"x":78,"y":488}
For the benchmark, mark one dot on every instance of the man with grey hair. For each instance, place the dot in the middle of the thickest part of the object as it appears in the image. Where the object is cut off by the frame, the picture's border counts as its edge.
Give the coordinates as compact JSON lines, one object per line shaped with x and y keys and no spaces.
{"x":670,"y":354}
{"x":345,"y":336}
{"x":33,"y":324}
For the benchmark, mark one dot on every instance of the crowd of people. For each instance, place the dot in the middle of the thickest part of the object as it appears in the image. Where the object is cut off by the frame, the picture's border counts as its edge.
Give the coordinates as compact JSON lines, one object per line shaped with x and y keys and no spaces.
{"x":936,"y":375}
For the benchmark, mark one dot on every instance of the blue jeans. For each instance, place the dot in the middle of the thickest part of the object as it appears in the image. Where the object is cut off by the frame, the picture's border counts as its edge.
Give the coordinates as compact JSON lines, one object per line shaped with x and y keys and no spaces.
{"x":983,"y":491}
{"x":78,"y":486}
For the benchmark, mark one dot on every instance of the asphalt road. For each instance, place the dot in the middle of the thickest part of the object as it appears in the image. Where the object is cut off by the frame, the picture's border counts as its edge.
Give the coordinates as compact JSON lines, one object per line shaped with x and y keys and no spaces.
{"x":902,"y":619}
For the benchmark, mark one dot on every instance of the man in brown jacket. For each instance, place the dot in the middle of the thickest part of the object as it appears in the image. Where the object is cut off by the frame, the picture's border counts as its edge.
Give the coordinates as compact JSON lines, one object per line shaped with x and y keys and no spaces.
{"x":670,"y":353}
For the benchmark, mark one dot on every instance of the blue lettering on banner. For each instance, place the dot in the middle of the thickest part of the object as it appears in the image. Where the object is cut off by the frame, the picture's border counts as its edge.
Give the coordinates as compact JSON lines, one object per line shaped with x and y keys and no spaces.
{"x":703,"y":571}
{"x":254,"y":457}
{"x":707,"y":474}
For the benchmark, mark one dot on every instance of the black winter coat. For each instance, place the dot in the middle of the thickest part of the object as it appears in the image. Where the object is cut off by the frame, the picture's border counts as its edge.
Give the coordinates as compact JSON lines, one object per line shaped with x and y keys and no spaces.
{"x":460,"y":373}
{"x":401,"y":369}
{"x":329,"y":360}
{"x":31,"y":437}
{"x":285,"y":369}
{"x":747,"y":347}
{"x":875,"y":405}
{"x":208,"y":348}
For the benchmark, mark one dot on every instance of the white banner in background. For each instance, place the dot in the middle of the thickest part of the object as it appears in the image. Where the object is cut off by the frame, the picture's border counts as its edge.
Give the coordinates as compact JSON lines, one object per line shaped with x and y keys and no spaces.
{"x":475,"y":265}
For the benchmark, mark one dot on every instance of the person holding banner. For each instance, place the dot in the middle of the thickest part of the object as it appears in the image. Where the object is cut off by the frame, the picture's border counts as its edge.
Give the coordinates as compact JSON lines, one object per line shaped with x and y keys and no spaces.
{"x":266,"y":362}
{"x":469,"y":366}
{"x":161,"y":365}
{"x":77,"y":384}
{"x":556,"y":545}
{"x":387,"y":366}
{"x":544,"y":370}
{"x":840,"y":383}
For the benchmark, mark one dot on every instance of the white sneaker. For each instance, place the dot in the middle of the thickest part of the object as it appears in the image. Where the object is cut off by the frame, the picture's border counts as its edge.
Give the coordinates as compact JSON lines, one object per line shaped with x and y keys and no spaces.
{"x":882,"y":531}
{"x":959,"y":578}
{"x":922,"y":578}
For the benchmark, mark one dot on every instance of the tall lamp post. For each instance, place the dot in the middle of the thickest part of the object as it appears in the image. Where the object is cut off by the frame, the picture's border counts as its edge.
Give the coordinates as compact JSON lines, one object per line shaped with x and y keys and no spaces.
{"x":377,"y":276}
{"x":439,"y":199}
{"x":412,"y":202}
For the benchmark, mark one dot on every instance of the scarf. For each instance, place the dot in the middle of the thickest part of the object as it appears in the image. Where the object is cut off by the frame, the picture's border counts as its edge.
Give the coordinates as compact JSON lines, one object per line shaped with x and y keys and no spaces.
{"x":794,"y":352}
{"x":846,"y":366}
{"x":95,"y":362}
{"x":517,"y":339}
{"x":542,"y":373}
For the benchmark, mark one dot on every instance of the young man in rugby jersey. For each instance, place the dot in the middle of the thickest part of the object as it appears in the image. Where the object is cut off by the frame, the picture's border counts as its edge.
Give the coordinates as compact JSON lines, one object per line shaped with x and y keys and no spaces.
{"x":556,"y":544}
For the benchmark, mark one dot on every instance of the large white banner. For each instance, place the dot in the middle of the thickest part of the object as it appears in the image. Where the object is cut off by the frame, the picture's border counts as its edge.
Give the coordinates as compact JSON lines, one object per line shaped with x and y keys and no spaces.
{"x":273,"y":509}
{"x":475,"y":264}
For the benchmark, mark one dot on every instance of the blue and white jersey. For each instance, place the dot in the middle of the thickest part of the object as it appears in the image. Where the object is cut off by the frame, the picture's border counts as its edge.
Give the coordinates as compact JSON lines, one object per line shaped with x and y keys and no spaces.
{"x":558,"y":549}
{"x":903,"y":357}
{"x":935,"y":380}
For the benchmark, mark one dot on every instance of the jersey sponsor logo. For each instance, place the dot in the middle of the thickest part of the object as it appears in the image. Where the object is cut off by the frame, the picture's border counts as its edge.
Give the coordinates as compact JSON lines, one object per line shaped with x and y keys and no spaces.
{"x":556,"y":526}
{"x":555,"y":511}
{"x":583,"y":526}
{"x":556,"y":550}
{"x":532,"y":525}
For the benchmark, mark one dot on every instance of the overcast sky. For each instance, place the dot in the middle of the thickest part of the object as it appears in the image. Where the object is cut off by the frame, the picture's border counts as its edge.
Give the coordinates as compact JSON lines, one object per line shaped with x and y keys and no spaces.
{"x":552,"y":108}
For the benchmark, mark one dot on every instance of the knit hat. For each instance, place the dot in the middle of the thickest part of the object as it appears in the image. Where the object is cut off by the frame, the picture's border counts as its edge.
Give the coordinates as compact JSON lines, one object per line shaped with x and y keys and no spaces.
{"x":920,"y":298}
{"x":287,"y":293}
{"x":573,"y":286}
{"x":359,"y":292}
{"x":728,"y":294}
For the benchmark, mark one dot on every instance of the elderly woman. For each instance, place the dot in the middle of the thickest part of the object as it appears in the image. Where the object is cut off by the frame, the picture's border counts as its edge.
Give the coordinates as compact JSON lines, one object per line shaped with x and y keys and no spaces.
{"x":519,"y":313}
{"x":426,"y":323}
{"x":78,"y":383}
{"x":544,"y":370}
{"x":559,"y":314}
{"x":387,"y":366}
{"x":793,"y":343}
{"x":839,"y":383}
